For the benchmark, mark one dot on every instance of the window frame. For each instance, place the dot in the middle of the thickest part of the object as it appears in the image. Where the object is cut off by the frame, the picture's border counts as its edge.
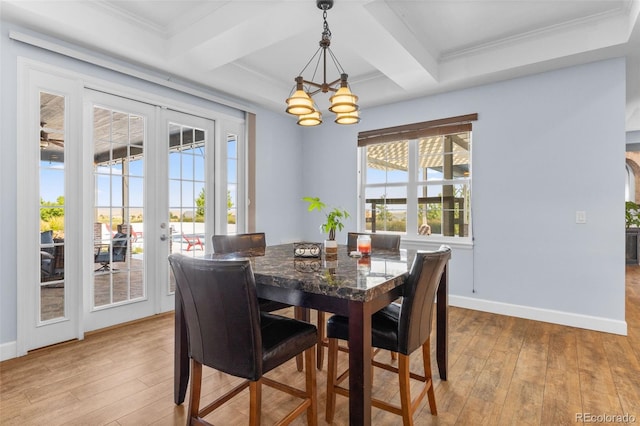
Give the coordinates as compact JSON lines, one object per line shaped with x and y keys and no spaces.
{"x":413,"y":133}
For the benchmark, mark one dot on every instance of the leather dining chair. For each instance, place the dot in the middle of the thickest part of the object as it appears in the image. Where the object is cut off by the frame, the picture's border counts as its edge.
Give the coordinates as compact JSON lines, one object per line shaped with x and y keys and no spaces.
{"x":239,"y":243}
{"x":227,"y":331}
{"x":401,"y":328}
{"x":378,"y":241}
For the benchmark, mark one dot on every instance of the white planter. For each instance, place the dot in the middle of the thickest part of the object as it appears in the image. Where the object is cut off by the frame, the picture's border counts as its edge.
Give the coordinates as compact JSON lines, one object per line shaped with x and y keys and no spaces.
{"x":330,"y":248}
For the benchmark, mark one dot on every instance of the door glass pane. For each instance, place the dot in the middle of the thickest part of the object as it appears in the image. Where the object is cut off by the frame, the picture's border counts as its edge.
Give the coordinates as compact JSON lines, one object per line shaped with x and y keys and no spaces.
{"x":232,"y":183}
{"x":118,"y":207}
{"x":52,"y":207}
{"x":186,"y":192}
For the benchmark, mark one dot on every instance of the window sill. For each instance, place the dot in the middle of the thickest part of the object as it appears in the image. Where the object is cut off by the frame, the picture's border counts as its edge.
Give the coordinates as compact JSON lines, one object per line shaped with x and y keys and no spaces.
{"x":433,"y":243}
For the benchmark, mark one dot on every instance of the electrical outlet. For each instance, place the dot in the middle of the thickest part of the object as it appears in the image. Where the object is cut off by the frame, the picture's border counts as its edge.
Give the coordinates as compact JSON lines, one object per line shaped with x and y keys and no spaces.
{"x":581,"y":216}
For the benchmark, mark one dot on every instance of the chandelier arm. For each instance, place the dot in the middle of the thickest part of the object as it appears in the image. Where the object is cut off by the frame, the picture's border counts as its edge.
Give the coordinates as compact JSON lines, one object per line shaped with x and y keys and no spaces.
{"x":310,"y":60}
{"x":317,"y":90}
{"x":311,"y":83}
{"x":334,"y":82}
{"x":335,"y":61}
{"x":315,"y":70}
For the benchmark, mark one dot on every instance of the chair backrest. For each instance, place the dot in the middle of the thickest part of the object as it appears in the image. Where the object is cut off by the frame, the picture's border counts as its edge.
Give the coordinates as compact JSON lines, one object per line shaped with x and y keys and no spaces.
{"x":220,"y":308}
{"x":378,"y":241}
{"x":46,"y":237}
{"x":414,"y":327}
{"x":238,"y":242}
{"x":119,"y":247}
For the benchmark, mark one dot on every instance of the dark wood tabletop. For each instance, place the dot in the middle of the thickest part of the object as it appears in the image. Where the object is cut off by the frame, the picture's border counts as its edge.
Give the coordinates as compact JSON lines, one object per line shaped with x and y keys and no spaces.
{"x":355,"y":287}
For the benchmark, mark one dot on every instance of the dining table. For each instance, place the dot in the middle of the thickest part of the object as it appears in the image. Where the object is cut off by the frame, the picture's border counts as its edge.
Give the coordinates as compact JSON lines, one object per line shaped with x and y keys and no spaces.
{"x":344,"y":284}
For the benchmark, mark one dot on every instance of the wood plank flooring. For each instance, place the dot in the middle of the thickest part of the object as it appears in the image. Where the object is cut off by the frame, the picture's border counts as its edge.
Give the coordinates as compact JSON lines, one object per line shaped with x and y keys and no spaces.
{"x":503,"y":371}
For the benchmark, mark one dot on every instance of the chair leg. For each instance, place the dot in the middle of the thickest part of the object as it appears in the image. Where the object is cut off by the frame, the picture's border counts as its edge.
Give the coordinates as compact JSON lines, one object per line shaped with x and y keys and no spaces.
{"x":298,"y":314}
{"x":312,"y":411}
{"x":321,"y":338}
{"x":255,"y":402}
{"x":405,"y":389}
{"x":332,"y":373}
{"x":194,"y":395}
{"x":426,"y":359}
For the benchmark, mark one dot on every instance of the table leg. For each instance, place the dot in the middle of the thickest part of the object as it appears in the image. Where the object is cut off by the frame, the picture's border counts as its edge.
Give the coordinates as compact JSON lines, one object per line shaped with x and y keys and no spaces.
{"x":359,"y":363}
{"x":301,"y":314}
{"x":442,"y":324}
{"x":181,"y":354}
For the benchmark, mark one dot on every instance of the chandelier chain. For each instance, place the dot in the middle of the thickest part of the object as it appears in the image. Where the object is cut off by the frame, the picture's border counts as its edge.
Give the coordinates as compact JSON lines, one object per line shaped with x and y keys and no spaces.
{"x":326,"y":33}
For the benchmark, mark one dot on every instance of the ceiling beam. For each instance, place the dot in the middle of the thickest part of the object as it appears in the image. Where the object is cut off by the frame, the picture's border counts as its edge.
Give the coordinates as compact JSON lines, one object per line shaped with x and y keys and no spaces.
{"x":230,"y":34}
{"x":374,"y":42}
{"x":396,"y":28}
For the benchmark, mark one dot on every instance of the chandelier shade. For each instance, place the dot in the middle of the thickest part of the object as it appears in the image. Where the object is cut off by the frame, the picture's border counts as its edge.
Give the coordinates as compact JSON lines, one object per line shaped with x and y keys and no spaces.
{"x":300,"y":103}
{"x":343,"y":102}
{"x":347,"y":117}
{"x":312,"y":119}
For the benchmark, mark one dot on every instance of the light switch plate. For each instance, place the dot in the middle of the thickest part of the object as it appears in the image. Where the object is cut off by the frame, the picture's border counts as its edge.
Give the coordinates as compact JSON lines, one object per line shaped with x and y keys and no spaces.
{"x":581,"y":216}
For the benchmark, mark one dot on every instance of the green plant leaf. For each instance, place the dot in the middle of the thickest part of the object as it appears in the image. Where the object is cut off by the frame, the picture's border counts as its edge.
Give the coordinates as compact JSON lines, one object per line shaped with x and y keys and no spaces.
{"x":314,"y":203}
{"x":334,"y":217}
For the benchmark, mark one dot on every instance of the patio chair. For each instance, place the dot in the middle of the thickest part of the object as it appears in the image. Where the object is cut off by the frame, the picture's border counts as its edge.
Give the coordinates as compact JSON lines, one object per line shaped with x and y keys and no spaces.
{"x":106,"y":254}
{"x":192,"y":241}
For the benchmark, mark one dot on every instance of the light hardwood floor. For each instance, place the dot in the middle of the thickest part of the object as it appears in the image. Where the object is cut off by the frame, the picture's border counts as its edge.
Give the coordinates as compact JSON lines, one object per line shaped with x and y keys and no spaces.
{"x":503,"y":371}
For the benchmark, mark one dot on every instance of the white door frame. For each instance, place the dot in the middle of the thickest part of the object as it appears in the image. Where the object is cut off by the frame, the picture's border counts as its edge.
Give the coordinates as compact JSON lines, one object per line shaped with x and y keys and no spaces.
{"x":31,"y":333}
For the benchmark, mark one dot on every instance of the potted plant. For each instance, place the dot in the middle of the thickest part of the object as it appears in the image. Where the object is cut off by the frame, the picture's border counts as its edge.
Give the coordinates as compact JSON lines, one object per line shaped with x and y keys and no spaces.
{"x":334,"y":218}
{"x":632,"y":223}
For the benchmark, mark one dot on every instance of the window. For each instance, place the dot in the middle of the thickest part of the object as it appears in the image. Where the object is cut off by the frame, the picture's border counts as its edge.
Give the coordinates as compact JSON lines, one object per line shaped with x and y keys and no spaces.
{"x":232,"y":183}
{"x":187,"y":187}
{"x":52,"y":207}
{"x":416,"y":179}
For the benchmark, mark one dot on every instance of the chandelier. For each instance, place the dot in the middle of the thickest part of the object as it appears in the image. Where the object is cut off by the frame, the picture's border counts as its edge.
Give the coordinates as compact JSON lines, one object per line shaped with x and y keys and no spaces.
{"x":343,"y":102}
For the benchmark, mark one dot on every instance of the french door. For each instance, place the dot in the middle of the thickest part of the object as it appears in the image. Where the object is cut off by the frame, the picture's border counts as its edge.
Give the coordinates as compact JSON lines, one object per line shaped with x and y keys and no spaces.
{"x":119,"y":135}
{"x":149,"y":185}
{"x":47,"y":246}
{"x":188,"y":214}
{"x":120,"y":185}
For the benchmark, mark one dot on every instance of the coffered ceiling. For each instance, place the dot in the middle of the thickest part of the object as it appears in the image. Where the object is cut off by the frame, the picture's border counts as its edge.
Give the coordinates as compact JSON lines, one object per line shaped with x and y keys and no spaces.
{"x":392,"y":49}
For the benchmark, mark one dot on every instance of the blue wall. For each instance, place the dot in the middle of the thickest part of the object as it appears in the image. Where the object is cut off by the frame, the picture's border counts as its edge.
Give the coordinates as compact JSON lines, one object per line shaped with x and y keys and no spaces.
{"x":544,"y":147}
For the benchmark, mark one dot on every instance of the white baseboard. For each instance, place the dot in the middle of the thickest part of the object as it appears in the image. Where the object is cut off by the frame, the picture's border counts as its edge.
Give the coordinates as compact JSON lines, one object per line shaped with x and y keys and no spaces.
{"x":8,"y":351}
{"x":606,"y":325}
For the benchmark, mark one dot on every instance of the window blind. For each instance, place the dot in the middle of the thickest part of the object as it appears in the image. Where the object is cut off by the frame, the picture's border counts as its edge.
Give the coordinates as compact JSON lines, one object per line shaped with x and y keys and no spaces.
{"x":443,"y":126}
